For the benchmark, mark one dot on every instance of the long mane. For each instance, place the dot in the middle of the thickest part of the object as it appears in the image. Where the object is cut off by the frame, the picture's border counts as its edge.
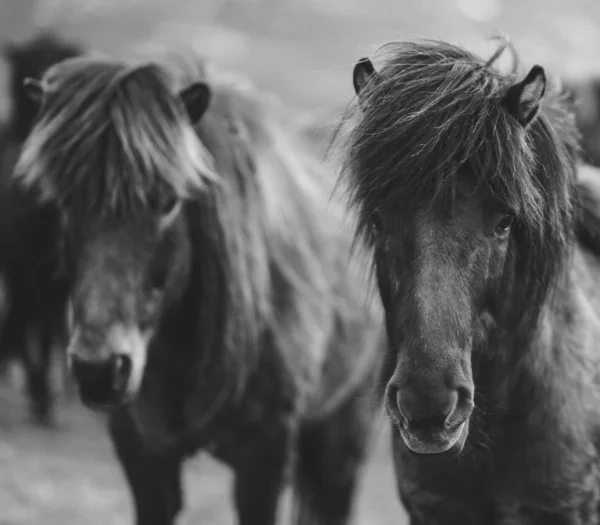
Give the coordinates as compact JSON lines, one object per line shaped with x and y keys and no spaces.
{"x":288,"y":242}
{"x":112,"y":137}
{"x":436,"y":110}
{"x":271,"y":251}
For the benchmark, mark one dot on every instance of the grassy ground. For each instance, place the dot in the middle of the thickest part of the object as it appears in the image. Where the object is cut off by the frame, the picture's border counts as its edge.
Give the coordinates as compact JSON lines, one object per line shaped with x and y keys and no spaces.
{"x":302,"y":50}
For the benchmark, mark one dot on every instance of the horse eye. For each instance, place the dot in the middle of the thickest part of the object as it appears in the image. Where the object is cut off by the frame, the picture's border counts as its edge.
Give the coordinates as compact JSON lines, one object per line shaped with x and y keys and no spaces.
{"x":159,"y":269}
{"x":169,"y":206}
{"x":504,"y":224}
{"x":376,"y":221}
{"x":158,"y":278}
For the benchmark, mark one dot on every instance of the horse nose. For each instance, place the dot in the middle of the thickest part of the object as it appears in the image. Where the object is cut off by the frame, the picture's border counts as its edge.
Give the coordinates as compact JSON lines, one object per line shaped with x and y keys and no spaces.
{"x":429,"y":408}
{"x":101,"y":381}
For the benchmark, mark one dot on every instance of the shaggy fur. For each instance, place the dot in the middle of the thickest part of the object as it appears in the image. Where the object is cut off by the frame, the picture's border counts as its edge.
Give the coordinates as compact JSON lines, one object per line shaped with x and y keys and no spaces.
{"x":266,"y":346}
{"x":28,"y":261}
{"x":434,"y":113}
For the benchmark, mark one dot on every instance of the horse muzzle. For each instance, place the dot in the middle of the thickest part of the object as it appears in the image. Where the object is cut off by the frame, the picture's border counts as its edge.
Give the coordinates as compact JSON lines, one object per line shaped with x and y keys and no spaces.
{"x":434,"y":442}
{"x":103,"y":383}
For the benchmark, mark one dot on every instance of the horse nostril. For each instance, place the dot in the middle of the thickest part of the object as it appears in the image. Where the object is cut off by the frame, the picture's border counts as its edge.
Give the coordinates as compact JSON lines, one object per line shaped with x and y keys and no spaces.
{"x":121,"y":369}
{"x":463,"y":408}
{"x":393,"y":405}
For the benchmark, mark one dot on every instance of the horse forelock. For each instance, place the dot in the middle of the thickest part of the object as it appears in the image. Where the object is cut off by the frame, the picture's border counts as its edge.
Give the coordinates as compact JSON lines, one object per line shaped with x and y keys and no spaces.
{"x":436,"y":111}
{"x":113,"y":137}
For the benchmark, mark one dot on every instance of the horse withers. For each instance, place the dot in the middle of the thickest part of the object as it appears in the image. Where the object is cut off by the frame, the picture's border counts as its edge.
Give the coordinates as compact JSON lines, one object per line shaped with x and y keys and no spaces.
{"x":214,"y":301}
{"x":487,"y":263}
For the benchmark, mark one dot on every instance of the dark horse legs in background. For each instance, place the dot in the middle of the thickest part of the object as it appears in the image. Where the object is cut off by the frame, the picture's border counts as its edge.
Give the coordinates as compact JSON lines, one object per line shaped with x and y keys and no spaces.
{"x":154,"y":477}
{"x":37,"y":361}
{"x":34,"y":326}
{"x":330,"y":454}
{"x":337,"y":446}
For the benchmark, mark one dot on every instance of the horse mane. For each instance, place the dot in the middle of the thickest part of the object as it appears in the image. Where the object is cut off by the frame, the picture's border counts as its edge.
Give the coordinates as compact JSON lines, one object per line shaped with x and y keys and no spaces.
{"x":112,"y":136}
{"x":32,"y":58}
{"x":437,"y":110}
{"x":286,"y":239}
{"x":271,"y":254}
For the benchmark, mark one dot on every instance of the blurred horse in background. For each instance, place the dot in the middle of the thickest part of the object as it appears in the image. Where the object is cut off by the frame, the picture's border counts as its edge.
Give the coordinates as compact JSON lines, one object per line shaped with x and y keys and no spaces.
{"x":215,"y":302}
{"x":586,"y":97}
{"x":33,"y":294}
{"x":486,"y":251}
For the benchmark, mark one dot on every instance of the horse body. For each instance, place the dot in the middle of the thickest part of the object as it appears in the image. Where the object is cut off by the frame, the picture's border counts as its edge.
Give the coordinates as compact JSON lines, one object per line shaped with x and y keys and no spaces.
{"x":34,"y":317}
{"x":214,"y":305}
{"x":586,"y":95}
{"x":486,"y":253}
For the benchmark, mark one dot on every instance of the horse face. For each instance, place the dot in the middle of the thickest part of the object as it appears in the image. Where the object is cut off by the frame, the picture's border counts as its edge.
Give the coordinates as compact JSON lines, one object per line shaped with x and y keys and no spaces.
{"x":123,"y":276}
{"x":436,"y":267}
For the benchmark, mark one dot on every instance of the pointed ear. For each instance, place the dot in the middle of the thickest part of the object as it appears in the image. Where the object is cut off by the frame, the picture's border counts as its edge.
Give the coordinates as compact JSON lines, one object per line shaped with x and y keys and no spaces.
{"x":34,"y":89}
{"x":524,"y":98}
{"x":363,"y":74}
{"x":196,"y":99}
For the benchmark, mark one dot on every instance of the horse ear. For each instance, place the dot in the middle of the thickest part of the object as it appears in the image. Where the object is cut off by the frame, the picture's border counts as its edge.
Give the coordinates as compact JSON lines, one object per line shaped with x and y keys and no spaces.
{"x":196,"y":99}
{"x":363,"y":74}
{"x":34,"y":89}
{"x":524,"y":98}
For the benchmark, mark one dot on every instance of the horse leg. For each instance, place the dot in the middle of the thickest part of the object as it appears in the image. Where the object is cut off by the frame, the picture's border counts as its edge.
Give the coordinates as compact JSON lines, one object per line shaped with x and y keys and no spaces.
{"x":330,"y":456}
{"x":260,"y":465}
{"x":154,"y":478}
{"x":36,"y":355}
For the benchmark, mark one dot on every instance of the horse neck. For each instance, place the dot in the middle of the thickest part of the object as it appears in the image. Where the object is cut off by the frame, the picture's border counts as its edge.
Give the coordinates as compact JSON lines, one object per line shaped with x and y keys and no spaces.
{"x":518,"y":374}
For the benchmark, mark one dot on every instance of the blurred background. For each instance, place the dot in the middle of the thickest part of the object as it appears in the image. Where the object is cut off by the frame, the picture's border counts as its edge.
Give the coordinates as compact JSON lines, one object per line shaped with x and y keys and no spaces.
{"x":302,"y":51}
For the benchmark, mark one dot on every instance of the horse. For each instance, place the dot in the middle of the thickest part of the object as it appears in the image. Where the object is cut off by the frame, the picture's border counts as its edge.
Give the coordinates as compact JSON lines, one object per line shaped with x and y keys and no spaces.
{"x":30,"y":59}
{"x":34,"y":294}
{"x":485,"y":243}
{"x":214,"y":304}
{"x":586,"y":98}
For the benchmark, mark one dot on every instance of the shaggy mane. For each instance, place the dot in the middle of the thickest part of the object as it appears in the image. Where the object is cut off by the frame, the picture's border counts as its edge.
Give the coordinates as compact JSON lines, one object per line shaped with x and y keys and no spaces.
{"x":436,"y":111}
{"x":114,"y":138}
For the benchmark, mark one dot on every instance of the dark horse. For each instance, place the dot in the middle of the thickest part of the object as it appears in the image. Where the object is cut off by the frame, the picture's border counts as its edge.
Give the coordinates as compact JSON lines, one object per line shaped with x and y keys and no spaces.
{"x":214,"y":305}
{"x":586,"y":95}
{"x":464,"y":180}
{"x":34,"y":295}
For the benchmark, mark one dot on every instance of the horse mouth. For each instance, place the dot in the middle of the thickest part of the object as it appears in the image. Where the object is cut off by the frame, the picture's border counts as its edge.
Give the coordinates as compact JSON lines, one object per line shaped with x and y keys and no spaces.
{"x":102,"y":385}
{"x":437,"y":442}
{"x":102,"y":402}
